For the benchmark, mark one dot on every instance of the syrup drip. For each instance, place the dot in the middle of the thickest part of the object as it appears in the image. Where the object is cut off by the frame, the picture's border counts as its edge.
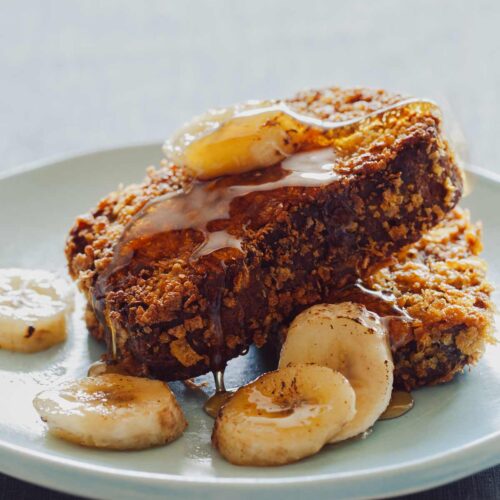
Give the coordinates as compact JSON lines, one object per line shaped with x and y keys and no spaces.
{"x":194,"y":222}
{"x":396,"y":320}
{"x":113,"y":342}
{"x":214,"y":403}
{"x":381,"y":302}
{"x":401,"y":402}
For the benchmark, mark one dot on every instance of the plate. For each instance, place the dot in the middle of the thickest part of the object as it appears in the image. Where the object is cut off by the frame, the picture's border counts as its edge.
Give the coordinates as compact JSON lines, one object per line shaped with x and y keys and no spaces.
{"x":453,"y":431}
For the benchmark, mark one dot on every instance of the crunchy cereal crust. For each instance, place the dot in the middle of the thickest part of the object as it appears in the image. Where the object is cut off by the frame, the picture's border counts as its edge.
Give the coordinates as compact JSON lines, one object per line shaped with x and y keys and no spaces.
{"x":298,"y":243}
{"x":440,"y":284}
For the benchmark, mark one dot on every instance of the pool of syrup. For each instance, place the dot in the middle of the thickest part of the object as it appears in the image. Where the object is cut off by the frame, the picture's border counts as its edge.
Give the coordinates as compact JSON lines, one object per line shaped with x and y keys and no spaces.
{"x":401,"y":403}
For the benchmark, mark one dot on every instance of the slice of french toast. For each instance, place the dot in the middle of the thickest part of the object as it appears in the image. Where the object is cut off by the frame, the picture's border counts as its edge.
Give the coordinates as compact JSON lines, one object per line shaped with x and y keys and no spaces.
{"x":166,"y":314}
{"x":436,"y":300}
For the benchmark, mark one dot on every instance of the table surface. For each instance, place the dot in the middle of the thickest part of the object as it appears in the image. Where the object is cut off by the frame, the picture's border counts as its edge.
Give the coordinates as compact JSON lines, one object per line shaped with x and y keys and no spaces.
{"x":79,"y":76}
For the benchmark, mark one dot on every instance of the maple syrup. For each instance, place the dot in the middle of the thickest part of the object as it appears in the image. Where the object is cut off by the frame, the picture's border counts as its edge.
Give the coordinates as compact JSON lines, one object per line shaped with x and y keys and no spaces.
{"x":214,"y":403}
{"x":255,"y":135}
{"x":401,"y":403}
{"x":396,"y":320}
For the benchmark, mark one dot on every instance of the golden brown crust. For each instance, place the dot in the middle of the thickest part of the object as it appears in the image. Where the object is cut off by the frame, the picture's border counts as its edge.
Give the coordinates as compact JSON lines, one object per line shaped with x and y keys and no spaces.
{"x":299,"y":243}
{"x":441,"y":283}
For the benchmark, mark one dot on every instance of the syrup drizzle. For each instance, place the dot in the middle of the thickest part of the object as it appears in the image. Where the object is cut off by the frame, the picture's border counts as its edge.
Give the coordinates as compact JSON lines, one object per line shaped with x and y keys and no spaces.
{"x":206,"y":205}
{"x":396,"y":320}
{"x":381,"y":302}
{"x":325,"y":126}
{"x":256,"y":135}
{"x":194,"y":222}
{"x":214,"y":403}
{"x":114,"y":354}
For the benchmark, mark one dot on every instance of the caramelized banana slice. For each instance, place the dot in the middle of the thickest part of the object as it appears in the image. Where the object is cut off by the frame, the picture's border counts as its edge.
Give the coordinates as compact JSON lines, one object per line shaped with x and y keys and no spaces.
{"x":112,"y":411}
{"x":233,"y":140}
{"x":33,"y":309}
{"x":283,"y":416}
{"x":352,"y":340}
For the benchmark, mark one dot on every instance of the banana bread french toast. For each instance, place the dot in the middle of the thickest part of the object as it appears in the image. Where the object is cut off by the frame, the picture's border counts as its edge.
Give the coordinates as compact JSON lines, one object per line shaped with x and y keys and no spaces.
{"x":172,"y":317}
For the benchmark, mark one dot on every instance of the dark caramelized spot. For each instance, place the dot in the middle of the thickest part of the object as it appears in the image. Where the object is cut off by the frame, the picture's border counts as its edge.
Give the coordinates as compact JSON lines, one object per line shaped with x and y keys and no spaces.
{"x":29,"y":332}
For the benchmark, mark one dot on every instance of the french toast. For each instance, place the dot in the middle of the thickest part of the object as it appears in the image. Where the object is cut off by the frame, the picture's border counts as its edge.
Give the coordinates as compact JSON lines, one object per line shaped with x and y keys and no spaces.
{"x":166,"y":315}
{"x":440,"y":282}
{"x":436,"y":301}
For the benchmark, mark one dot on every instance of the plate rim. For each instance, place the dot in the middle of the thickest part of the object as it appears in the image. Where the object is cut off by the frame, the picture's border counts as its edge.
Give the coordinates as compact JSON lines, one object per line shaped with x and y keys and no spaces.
{"x":479,"y":454}
{"x":76,"y":154}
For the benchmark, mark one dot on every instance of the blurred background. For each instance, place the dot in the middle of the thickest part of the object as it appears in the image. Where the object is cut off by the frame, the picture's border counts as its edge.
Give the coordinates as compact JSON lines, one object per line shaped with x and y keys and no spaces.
{"x":84,"y":75}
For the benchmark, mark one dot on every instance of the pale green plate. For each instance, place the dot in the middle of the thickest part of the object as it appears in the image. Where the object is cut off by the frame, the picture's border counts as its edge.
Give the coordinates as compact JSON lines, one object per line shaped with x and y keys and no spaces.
{"x":454,"y":430}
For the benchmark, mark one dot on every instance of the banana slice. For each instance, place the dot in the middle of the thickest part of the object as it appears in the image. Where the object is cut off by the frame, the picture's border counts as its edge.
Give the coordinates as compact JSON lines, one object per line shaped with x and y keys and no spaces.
{"x":283,"y":416}
{"x":33,"y":309}
{"x":352,"y":340}
{"x":233,"y":140}
{"x":112,"y":411}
